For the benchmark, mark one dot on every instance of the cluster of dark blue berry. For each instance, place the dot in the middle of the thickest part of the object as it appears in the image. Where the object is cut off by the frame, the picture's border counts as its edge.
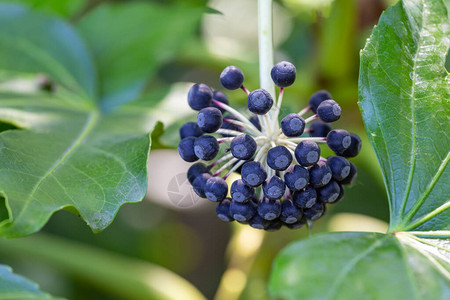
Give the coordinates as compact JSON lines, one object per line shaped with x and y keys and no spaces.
{"x":284,"y":180}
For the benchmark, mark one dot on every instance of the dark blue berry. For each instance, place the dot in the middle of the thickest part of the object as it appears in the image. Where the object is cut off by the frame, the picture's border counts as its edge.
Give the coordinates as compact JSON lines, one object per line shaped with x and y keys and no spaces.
{"x":200,"y":96}
{"x":314,"y":212}
{"x":259,"y":222}
{"x":274,"y":225}
{"x":241,"y":192}
{"x":242,"y":211}
{"x":329,"y":111}
{"x":297,"y":224}
{"x":195,"y":170}
{"x":293,"y":125}
{"x":200,"y":183}
{"x":319,"y":175}
{"x":274,"y":187}
{"x":223,"y":210}
{"x":253,"y":173}
{"x":355,"y":146}
{"x":269,"y":209}
{"x":243,"y":147}
{"x":351,"y":176}
{"x":339,"y":166}
{"x":221,"y":97}
{"x":305,"y":198}
{"x":319,"y":129}
{"x":289,"y":212}
{"x":339,"y":140}
{"x":296,"y":177}
{"x":216,"y":189}
{"x":317,"y":98}
{"x":209,"y":119}
{"x":255,"y":121}
{"x":341,"y":193}
{"x":206,"y":147}
{"x":259,"y":102}
{"x":283,"y":74}
{"x":232,"y":78}
{"x":307,"y":153}
{"x":186,"y":149}
{"x":279,"y":158}
{"x":328,"y":193}
{"x":190,"y":129}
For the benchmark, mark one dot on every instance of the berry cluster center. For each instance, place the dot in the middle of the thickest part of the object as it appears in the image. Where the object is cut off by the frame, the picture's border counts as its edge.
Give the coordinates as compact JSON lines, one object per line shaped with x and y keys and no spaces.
{"x":284,"y":179}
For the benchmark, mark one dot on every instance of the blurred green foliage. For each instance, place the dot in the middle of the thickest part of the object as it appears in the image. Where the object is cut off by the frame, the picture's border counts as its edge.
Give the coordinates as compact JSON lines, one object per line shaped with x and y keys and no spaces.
{"x":324,"y":44}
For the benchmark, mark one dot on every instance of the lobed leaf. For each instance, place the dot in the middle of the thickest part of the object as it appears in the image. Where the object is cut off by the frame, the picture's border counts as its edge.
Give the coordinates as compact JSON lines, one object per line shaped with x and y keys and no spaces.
{"x":359,"y":266}
{"x":78,"y":148}
{"x":404,"y":95}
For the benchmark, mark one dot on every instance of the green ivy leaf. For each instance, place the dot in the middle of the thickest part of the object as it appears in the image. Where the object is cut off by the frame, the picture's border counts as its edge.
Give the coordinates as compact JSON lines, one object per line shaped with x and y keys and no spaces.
{"x":74,"y":149}
{"x":361,"y":266}
{"x":404,"y":99}
{"x":15,"y":287}
{"x":128,"y":53}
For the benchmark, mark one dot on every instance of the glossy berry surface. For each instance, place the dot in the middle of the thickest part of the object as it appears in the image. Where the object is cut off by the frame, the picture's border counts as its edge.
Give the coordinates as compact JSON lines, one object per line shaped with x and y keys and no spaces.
{"x":274,"y":187}
{"x":209,"y":119}
{"x":329,"y":111}
{"x":296,"y":177}
{"x":195,"y":170}
{"x":279,"y":158}
{"x":200,"y":183}
{"x":320,"y":174}
{"x":307,"y":153}
{"x":240,"y":192}
{"x":329,"y":193}
{"x":339,"y":166}
{"x":293,"y":125}
{"x":190,"y":129}
{"x":339,"y":140}
{"x":216,"y":189}
{"x":305,"y":198}
{"x":259,"y":102}
{"x":243,"y":147}
{"x":186,"y":149}
{"x":317,"y":98}
{"x":232,"y":78}
{"x":290,"y":213}
{"x":223,"y":210}
{"x":206,"y":147}
{"x":269,"y":209}
{"x":355,"y":146}
{"x":242,"y":211}
{"x":259,"y":171}
{"x":200,"y":96}
{"x":253,"y":173}
{"x":283,"y":74}
{"x":319,"y":129}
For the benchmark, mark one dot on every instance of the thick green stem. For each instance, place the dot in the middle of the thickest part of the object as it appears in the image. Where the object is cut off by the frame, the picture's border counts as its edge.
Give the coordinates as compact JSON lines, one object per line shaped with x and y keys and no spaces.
{"x":120,"y":276}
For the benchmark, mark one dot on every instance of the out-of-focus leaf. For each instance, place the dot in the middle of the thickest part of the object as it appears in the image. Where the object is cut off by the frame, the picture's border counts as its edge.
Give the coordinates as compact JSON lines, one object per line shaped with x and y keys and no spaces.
{"x":64,"y":8}
{"x":131,"y":41}
{"x":15,"y":287}
{"x":116,"y":275}
{"x":405,"y":102}
{"x":362,"y":266}
{"x":31,"y":42}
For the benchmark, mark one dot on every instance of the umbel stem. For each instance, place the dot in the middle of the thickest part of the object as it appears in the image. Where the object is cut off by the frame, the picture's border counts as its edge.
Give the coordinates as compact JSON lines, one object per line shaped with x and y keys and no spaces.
{"x":239,"y":251}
